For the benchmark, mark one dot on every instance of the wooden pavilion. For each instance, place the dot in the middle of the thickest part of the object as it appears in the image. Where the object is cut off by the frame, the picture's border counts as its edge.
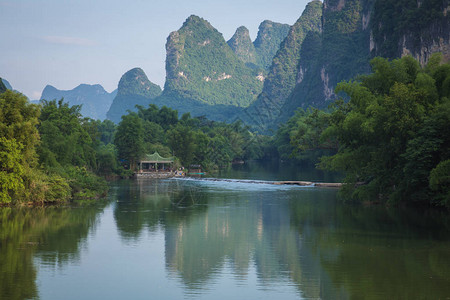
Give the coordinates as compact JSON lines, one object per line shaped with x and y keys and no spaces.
{"x":154,"y":165}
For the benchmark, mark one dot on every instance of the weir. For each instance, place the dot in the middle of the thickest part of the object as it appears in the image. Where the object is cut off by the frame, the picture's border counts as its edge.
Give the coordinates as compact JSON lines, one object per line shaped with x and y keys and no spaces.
{"x":289,"y":182}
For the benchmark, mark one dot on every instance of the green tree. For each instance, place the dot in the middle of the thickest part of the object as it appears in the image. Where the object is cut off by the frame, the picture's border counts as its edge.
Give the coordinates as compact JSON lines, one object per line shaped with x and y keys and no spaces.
{"x":129,"y":139}
{"x":67,"y":139}
{"x":107,"y":129}
{"x":181,"y":141}
{"x":11,"y":170}
{"x":392,"y":132}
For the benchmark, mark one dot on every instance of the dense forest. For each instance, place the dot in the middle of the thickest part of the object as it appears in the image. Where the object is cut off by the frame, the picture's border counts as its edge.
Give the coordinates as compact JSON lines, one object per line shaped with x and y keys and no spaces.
{"x":388,"y":133}
{"x":51,"y":153}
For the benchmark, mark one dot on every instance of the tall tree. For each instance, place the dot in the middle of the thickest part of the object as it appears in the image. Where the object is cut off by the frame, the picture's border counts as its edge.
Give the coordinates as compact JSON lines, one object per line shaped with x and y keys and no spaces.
{"x":129,"y":139}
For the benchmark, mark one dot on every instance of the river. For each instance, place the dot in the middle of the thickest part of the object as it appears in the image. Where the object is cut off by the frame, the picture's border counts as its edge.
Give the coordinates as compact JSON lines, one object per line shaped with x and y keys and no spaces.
{"x":203,"y":239}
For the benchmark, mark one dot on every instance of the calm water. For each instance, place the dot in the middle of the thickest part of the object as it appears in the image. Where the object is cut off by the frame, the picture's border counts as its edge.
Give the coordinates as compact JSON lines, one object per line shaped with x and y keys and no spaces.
{"x":199,"y":239}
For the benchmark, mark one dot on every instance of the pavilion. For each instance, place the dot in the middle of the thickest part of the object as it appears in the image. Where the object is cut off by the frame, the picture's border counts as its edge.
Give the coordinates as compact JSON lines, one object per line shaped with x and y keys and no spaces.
{"x":155,"y":163}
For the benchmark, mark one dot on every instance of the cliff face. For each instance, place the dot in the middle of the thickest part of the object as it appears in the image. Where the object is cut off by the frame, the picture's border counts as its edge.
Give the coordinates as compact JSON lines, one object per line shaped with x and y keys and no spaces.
{"x":282,"y":77}
{"x":351,"y":32}
{"x":413,"y":28}
{"x":94,"y":99}
{"x":201,"y":66}
{"x":134,"y":89}
{"x":341,"y":52}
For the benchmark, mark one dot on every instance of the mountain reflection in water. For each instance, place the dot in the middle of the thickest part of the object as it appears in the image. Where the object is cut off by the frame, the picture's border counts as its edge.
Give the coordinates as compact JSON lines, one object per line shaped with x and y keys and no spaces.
{"x":170,"y":239}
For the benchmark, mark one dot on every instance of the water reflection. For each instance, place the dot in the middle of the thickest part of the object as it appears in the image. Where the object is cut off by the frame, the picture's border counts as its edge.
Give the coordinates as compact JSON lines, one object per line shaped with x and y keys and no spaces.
{"x":50,"y":236}
{"x":301,"y":238}
{"x":285,"y":242}
{"x":146,"y":204}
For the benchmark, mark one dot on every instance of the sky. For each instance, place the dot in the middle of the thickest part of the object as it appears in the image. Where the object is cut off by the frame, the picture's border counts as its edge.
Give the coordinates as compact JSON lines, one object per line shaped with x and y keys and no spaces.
{"x":68,"y":42}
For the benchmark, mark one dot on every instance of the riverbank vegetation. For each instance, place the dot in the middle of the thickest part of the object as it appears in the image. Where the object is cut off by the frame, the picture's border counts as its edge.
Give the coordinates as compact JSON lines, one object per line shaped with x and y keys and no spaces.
{"x":47,"y":152}
{"x":191,"y":140}
{"x":390,"y":134}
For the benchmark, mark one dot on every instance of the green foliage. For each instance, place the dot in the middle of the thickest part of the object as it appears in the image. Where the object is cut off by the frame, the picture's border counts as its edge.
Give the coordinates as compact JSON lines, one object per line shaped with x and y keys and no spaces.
{"x":181,"y":141}
{"x":191,"y":140}
{"x":18,"y":120}
{"x":84,"y":184}
{"x":106,"y":159}
{"x":135,"y":82}
{"x":392,"y":133}
{"x":106,"y":129}
{"x":47,"y":188}
{"x":440,"y":181}
{"x":11,"y":171}
{"x":129,"y":139}
{"x":66,"y":139}
{"x":283,"y":74}
{"x":303,"y":138}
{"x":21,"y":178}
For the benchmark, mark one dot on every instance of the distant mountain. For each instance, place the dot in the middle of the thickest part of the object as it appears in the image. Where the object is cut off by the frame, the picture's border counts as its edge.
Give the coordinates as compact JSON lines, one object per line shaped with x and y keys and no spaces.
{"x":134,"y":89}
{"x":6,"y":83}
{"x":2,"y":86}
{"x":94,"y":99}
{"x":201,"y":66}
{"x":259,"y":54}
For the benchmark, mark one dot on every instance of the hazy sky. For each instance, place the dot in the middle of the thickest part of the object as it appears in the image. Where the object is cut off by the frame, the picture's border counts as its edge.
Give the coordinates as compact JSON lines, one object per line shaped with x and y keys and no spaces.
{"x":68,"y":42}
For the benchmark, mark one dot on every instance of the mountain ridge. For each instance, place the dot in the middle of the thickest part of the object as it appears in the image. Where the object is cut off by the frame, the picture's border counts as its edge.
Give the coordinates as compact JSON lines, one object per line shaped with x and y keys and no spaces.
{"x":94,"y":99}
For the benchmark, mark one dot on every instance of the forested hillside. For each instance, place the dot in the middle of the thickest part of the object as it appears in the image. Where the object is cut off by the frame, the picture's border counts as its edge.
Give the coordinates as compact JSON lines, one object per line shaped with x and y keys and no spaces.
{"x":201,"y":66}
{"x":134,"y":89}
{"x":351,"y":33}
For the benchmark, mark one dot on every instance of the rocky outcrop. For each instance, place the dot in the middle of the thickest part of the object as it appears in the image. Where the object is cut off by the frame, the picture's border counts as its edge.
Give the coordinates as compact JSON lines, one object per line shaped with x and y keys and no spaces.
{"x":134,"y":89}
{"x":270,"y":36}
{"x":413,"y":28}
{"x":282,"y":78}
{"x":242,"y":45}
{"x":6,"y":83}
{"x":201,"y":66}
{"x":2,"y":86}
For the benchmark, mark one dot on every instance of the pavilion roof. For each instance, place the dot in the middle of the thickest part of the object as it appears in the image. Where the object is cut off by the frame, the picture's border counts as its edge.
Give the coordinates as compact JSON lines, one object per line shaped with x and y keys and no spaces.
{"x":156,"y":158}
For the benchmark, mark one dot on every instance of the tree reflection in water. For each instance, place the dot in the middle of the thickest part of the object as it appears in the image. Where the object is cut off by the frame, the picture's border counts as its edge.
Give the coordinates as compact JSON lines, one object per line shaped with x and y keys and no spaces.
{"x":48,"y":236}
{"x":301,"y":238}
